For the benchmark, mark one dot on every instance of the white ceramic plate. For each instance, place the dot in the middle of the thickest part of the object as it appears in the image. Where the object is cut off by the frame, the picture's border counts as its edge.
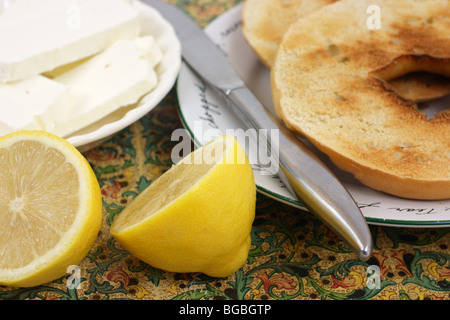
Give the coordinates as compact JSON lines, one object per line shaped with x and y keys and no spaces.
{"x":201,"y":110}
{"x":152,"y":23}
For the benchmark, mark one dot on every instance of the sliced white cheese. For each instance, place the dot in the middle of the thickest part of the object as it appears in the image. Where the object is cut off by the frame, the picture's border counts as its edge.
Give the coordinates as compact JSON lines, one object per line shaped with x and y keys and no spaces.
{"x":115,"y":78}
{"x":25,"y":104}
{"x":37,"y":36}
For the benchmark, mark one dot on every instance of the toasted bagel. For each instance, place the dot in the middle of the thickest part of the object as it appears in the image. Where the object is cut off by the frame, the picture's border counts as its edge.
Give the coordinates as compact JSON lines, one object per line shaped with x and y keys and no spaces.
{"x":264,"y":23}
{"x":330,"y":84}
{"x":422,"y":86}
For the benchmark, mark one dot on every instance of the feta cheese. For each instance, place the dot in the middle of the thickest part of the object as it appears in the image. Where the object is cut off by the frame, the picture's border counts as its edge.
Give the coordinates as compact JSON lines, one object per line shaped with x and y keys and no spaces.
{"x":37,"y":36}
{"x":115,"y":78}
{"x":25,"y":104}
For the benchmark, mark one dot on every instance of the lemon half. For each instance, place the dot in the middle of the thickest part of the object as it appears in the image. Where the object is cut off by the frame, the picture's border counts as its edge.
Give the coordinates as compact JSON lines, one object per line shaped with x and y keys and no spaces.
{"x":196,"y":217}
{"x":50,"y":208}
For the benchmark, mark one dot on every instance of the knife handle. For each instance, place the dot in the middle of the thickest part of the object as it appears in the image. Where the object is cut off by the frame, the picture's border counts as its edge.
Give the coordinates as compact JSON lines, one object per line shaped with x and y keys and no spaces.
{"x":309,"y":178}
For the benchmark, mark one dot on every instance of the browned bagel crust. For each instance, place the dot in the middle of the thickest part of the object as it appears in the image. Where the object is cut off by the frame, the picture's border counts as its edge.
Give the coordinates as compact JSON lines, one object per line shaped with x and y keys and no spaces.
{"x":333,"y":89}
{"x":264,"y":23}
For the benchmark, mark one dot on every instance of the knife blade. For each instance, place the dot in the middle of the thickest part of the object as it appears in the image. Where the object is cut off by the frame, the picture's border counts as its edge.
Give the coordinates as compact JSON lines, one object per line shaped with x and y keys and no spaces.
{"x":299,"y":168}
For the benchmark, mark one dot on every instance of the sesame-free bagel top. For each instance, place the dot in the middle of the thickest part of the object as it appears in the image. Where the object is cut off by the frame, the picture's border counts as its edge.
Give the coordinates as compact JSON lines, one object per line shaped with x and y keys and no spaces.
{"x":330,"y":84}
{"x":264,"y":23}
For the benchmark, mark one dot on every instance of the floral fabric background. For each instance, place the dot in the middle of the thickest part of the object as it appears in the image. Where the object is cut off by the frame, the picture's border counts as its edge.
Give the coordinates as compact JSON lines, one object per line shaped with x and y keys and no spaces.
{"x":293,"y":255}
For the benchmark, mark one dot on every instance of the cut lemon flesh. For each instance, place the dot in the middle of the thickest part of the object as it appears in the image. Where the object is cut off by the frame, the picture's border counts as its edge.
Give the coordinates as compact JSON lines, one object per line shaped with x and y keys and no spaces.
{"x":196,"y":217}
{"x":50,"y":208}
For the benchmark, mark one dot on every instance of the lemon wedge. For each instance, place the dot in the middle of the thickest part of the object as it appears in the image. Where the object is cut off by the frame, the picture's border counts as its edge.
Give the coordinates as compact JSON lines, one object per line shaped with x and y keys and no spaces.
{"x":50,"y":208}
{"x":196,"y":217}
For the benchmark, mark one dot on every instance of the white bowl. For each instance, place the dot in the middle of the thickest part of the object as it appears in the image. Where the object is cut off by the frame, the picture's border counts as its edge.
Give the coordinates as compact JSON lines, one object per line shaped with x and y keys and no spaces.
{"x":152,"y":23}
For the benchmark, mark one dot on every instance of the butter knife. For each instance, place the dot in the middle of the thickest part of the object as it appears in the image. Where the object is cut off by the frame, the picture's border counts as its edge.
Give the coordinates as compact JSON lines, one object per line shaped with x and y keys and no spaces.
{"x":299,"y":168}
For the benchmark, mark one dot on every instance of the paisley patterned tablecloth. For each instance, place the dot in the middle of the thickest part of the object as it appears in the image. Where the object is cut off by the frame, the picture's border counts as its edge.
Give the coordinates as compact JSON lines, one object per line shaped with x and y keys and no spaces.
{"x":293,"y":255}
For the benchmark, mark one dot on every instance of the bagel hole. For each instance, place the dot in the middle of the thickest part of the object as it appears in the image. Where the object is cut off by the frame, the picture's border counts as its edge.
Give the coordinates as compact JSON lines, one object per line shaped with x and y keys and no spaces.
{"x":435,"y":107}
{"x":430,"y":91}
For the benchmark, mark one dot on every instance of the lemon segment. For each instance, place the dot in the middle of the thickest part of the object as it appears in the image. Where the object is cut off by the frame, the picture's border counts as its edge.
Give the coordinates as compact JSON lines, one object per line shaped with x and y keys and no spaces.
{"x":50,"y":208}
{"x":196,"y":217}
